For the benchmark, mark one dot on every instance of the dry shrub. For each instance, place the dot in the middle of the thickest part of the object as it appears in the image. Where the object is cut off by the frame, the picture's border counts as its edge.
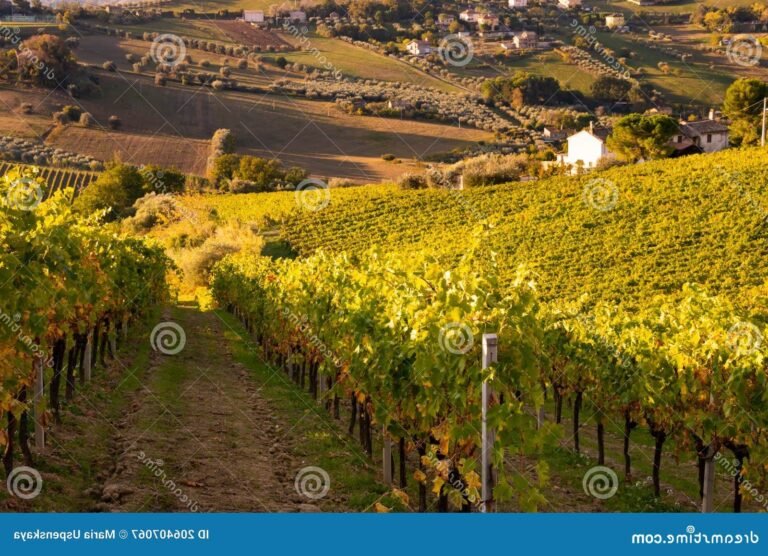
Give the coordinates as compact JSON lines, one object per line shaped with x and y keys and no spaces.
{"x":196,"y":263}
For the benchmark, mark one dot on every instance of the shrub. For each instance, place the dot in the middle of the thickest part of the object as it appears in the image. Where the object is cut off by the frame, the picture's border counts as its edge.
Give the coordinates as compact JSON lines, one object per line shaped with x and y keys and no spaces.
{"x":130,"y":58}
{"x":242,"y":64}
{"x":295,"y":175}
{"x":225,"y":72}
{"x":223,"y":168}
{"x":72,"y":112}
{"x":281,"y":62}
{"x":114,"y":122}
{"x":60,"y":118}
{"x":159,"y":179}
{"x":153,"y":210}
{"x":205,"y":63}
{"x":26,"y":108}
{"x":117,"y":189}
{"x":197,"y":263}
{"x":388,"y":157}
{"x":217,"y":85}
{"x":109,"y":66}
{"x":342,"y":183}
{"x":243,"y":186}
{"x":160,"y":79}
{"x":412,"y":181}
{"x":86,"y":120}
{"x":222,"y":142}
{"x":491,"y":169}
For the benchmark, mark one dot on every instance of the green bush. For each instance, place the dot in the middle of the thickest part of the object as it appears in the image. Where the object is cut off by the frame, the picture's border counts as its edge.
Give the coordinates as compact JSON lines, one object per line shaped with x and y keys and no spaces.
{"x":412,"y":181}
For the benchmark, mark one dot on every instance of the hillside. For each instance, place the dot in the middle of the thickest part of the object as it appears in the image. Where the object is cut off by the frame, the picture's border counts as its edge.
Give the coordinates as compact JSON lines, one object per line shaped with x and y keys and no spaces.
{"x":699,"y":219}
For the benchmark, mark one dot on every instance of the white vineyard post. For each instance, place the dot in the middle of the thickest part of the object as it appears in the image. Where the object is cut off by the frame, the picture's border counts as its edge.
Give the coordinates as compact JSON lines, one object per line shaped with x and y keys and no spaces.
{"x":708,"y":500}
{"x":540,"y":417}
{"x":39,"y":371}
{"x":87,"y":363}
{"x":387,"y":457}
{"x":490,"y":356}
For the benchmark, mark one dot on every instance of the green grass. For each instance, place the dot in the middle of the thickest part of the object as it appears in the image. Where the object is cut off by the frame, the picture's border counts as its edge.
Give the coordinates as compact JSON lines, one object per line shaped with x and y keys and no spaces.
{"x":676,"y":7}
{"x":109,"y":394}
{"x":551,"y":65}
{"x":696,"y":83}
{"x":232,"y":5}
{"x":324,"y":442}
{"x":194,"y":28}
{"x":362,"y":63}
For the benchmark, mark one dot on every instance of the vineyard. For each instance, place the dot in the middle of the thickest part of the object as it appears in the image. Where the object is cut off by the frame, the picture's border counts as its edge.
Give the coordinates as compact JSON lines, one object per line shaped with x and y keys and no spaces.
{"x":620,"y":235}
{"x":55,"y":179}
{"x":481,"y":337}
{"x":268,"y":209}
{"x":399,"y":337}
{"x":636,"y":294}
{"x":69,"y":289}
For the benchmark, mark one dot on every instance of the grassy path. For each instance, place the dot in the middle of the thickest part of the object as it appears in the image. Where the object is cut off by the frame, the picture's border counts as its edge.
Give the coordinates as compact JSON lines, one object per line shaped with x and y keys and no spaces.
{"x":208,"y":429}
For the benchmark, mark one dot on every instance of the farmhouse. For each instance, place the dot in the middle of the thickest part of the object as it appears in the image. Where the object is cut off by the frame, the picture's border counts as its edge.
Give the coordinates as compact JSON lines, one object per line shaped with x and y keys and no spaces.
{"x":526,"y":40}
{"x":489,"y":20}
{"x":253,"y":16}
{"x":445,"y":19}
{"x":703,"y":136}
{"x":518,"y":3}
{"x":569,"y":3}
{"x":586,"y":149}
{"x":551,"y":135}
{"x":614,"y":21}
{"x":470,"y":15}
{"x":419,"y":48}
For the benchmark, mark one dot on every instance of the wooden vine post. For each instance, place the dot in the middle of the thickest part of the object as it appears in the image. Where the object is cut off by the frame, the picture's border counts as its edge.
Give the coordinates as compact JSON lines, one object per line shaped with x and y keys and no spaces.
{"x":490,"y":356}
{"x":708,"y":500}
{"x":87,"y":363}
{"x":39,"y":372}
{"x":387,"y":457}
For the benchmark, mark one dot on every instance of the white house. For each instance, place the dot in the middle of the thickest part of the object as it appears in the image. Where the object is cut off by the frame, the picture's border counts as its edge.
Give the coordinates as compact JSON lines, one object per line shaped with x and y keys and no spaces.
{"x":614,"y":21}
{"x":490,"y":20}
{"x":445,"y":19}
{"x":526,"y":40}
{"x":518,"y":3}
{"x":586,"y":149}
{"x":470,"y":15}
{"x":703,"y":136}
{"x":419,"y":48}
{"x":569,"y":3}
{"x":253,"y":16}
